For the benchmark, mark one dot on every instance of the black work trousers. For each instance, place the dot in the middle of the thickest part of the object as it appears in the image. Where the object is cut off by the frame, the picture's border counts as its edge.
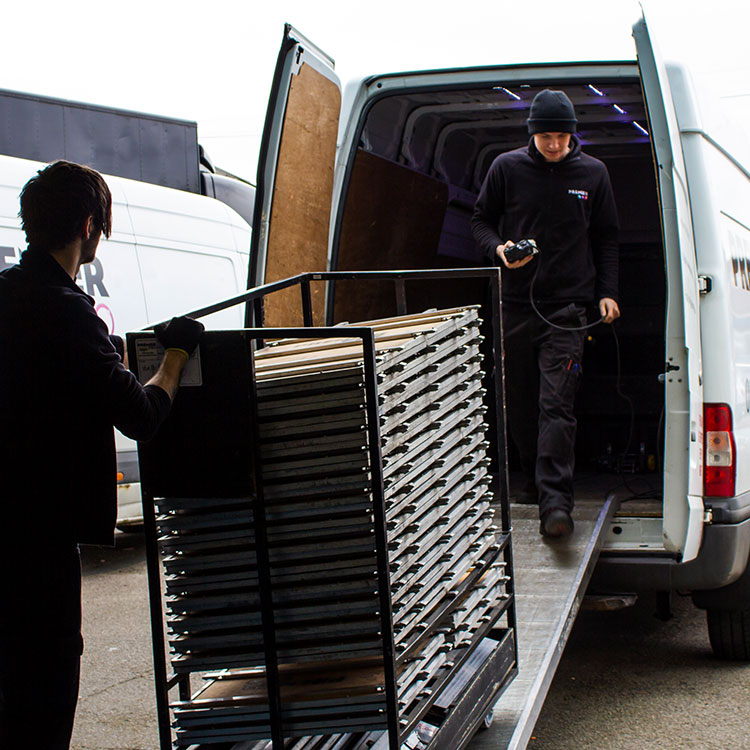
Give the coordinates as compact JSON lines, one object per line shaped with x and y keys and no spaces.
{"x":40,"y":645}
{"x":542,"y":367}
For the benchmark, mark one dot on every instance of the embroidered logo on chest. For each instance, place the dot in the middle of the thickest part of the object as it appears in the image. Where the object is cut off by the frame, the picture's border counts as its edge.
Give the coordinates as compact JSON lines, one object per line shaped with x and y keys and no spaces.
{"x":582,"y":195}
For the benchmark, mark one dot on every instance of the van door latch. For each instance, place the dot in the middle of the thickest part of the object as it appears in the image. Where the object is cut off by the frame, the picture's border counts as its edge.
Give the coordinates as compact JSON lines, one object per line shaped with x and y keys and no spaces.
{"x":668,"y":367}
{"x":705,"y":284}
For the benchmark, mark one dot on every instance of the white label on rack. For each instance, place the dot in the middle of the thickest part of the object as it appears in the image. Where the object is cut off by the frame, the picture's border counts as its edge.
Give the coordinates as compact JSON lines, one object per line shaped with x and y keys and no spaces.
{"x":149,"y":354}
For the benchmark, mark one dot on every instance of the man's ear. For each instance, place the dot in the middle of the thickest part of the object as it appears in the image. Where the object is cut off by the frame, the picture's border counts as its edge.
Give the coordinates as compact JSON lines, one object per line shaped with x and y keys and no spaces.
{"x":87,"y":230}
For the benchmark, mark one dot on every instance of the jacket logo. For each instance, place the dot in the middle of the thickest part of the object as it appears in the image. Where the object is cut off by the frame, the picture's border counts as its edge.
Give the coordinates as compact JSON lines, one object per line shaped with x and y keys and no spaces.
{"x":582,"y":195}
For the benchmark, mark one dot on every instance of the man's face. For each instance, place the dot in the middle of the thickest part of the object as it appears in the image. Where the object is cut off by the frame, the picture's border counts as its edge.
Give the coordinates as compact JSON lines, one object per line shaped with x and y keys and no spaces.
{"x":552,"y":146}
{"x":89,"y":246}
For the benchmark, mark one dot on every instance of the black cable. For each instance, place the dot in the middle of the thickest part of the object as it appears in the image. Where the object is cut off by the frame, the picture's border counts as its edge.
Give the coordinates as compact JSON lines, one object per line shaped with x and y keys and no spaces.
{"x":618,"y":391}
{"x":549,"y":322}
{"x":633,"y":494}
{"x":631,"y":432}
{"x":651,"y":491}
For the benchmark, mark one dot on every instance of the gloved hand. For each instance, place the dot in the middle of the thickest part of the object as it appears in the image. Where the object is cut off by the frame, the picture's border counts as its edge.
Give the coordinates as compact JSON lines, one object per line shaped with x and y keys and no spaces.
{"x":180,"y":334}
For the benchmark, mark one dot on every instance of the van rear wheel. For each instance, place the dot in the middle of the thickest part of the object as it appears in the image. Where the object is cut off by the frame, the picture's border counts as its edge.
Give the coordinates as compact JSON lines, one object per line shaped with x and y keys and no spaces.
{"x":729,"y":633}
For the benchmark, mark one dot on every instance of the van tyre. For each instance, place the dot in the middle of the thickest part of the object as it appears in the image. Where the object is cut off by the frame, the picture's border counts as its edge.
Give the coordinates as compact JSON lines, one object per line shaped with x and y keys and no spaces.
{"x":729,"y":633}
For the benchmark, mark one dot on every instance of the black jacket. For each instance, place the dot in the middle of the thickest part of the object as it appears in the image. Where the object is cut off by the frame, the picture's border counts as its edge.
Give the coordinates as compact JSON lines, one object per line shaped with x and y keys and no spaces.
{"x":62,"y":388}
{"x":568,"y":208}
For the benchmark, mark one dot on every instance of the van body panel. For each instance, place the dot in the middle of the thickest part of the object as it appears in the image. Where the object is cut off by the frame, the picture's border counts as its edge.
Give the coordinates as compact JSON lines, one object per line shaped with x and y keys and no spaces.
{"x":736,"y":246}
{"x":186,"y":242}
{"x":719,"y":186}
{"x":722,"y":559}
{"x":295,"y":176}
{"x":683,"y":469}
{"x":129,"y":504}
{"x":118,"y":301}
{"x":722,"y":233}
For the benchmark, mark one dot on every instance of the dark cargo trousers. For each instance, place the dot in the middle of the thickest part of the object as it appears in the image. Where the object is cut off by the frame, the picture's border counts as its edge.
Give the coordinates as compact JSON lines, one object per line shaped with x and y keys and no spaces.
{"x":542,"y":367}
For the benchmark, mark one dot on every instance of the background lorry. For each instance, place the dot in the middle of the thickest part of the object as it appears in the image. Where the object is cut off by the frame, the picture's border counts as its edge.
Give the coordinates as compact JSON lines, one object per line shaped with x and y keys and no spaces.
{"x":664,"y":403}
{"x":181,"y":227}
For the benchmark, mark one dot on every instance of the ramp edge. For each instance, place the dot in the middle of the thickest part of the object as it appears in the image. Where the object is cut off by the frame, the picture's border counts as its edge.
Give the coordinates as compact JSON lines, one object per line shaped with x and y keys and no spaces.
{"x":525,"y":725}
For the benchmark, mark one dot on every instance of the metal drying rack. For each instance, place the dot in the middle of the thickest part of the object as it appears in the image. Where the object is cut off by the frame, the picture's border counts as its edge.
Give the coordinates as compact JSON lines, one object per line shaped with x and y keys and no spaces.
{"x":466,"y":700}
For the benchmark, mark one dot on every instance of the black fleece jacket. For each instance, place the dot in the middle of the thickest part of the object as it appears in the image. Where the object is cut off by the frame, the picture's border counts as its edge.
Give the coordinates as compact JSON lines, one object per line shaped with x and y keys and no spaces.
{"x":568,"y":208}
{"x":62,"y":388}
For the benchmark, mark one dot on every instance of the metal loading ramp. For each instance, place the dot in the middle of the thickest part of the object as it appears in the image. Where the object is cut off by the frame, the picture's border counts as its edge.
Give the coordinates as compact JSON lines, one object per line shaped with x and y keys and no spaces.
{"x":551,"y":578}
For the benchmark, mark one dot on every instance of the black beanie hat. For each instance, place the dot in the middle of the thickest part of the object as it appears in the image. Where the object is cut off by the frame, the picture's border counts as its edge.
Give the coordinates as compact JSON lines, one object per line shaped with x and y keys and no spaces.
{"x":551,"y":112}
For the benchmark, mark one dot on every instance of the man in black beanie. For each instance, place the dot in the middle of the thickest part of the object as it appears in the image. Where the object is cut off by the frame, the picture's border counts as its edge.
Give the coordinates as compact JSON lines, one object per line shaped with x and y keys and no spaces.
{"x":553,"y":193}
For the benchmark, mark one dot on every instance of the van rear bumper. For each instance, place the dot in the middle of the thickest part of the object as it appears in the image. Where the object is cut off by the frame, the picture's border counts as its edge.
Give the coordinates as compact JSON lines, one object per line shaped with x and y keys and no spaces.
{"x":722,"y":559}
{"x":729,"y":510}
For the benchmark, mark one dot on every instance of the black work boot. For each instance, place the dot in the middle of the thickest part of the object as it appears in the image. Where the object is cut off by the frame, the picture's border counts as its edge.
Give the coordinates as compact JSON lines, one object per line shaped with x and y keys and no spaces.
{"x":556,"y":523}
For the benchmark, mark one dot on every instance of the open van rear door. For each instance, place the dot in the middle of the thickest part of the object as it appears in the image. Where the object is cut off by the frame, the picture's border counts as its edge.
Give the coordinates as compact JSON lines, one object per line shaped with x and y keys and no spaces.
{"x":683,"y":451}
{"x":295,"y":177}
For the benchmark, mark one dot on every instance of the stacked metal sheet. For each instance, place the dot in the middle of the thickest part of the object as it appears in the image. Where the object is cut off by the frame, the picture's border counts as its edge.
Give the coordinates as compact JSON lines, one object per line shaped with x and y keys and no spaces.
{"x":317,"y":697}
{"x":318,"y":500}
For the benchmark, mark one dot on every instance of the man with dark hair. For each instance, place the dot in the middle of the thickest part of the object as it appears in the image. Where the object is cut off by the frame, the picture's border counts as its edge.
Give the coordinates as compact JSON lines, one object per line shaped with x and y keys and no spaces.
{"x":55,"y":204}
{"x":553,"y":193}
{"x":62,"y":389}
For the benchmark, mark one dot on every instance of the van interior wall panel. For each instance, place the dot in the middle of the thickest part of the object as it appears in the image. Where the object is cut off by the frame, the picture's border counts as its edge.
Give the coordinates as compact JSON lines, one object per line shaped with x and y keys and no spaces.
{"x":631,"y":171}
{"x":140,"y":147}
{"x":395,"y":218}
{"x":301,"y":210}
{"x":620,"y":408}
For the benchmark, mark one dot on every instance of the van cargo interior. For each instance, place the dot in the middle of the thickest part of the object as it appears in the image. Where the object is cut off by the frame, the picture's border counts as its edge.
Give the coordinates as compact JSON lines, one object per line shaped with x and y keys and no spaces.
{"x":408,"y":201}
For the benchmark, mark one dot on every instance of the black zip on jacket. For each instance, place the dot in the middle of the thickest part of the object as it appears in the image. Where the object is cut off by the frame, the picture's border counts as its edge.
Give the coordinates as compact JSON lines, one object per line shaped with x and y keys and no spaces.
{"x":569,"y":209}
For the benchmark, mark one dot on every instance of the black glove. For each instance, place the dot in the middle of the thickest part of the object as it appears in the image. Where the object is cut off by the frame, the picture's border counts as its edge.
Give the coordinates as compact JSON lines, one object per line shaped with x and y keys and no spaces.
{"x":182,"y":334}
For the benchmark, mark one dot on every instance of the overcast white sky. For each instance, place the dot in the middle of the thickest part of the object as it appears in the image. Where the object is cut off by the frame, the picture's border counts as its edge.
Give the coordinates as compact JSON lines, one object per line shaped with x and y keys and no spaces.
{"x":212,"y":61}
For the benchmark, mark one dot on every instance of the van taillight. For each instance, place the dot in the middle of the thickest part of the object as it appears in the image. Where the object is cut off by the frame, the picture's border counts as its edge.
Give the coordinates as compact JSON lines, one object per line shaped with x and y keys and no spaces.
{"x":720,"y":451}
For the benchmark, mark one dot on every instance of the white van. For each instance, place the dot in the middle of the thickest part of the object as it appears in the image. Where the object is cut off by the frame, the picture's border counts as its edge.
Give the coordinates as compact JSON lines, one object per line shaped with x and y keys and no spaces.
{"x":170,"y":251}
{"x":664,"y":409}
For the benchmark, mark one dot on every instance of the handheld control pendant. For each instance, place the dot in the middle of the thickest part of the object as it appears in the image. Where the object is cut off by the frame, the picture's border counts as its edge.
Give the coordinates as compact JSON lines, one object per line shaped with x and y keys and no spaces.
{"x":521,"y":250}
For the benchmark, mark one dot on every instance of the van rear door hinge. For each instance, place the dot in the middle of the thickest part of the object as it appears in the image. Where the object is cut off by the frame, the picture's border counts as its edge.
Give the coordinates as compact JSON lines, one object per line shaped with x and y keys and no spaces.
{"x":705,"y":284}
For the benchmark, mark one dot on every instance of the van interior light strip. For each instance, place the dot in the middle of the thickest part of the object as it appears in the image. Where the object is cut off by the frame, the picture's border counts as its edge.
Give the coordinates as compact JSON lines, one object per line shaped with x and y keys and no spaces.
{"x":641,"y":128}
{"x":508,"y":92}
{"x":596,"y":90}
{"x":619,"y":109}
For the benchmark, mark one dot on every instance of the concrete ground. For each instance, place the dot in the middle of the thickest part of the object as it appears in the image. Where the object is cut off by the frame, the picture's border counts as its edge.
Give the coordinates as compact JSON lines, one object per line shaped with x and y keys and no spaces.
{"x":116,"y":707}
{"x":627,"y":681}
